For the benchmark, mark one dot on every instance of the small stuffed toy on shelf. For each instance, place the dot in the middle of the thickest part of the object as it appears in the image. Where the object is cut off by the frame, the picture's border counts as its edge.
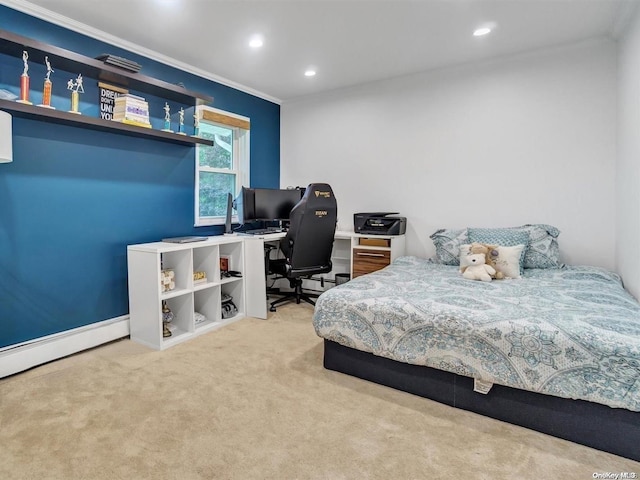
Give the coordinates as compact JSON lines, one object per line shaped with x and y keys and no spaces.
{"x":477,"y":269}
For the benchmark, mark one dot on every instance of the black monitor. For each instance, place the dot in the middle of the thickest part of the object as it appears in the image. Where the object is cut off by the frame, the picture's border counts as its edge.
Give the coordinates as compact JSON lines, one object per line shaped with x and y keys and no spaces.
{"x":275,"y":204}
{"x":245,"y":205}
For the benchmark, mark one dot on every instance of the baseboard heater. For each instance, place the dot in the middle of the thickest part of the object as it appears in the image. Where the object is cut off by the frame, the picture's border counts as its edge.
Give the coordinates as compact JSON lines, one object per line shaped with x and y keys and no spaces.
{"x":20,"y":357}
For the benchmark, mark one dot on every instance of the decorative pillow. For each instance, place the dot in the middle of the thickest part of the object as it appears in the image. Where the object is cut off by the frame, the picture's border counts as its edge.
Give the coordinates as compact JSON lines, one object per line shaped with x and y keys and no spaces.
{"x":508,"y":261}
{"x":506,"y":237}
{"x":448,"y":243}
{"x":543,"y":250}
{"x":498,"y":236}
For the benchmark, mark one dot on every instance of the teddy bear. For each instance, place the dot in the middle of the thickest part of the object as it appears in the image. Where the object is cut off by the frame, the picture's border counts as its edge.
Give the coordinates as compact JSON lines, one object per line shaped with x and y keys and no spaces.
{"x":490,"y":253}
{"x":477,"y":269}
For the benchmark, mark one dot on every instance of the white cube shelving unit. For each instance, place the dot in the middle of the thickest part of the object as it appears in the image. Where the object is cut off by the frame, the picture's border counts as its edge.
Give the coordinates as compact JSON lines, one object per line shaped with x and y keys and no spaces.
{"x":145,"y":263}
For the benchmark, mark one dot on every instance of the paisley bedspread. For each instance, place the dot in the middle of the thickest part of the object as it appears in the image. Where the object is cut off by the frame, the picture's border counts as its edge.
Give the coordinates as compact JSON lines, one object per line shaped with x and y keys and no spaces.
{"x":572,"y":332}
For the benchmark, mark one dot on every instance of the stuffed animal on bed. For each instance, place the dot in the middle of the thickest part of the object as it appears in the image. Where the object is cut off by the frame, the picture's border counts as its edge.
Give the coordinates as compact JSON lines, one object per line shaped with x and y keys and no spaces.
{"x":490,"y":253}
{"x":477,"y":269}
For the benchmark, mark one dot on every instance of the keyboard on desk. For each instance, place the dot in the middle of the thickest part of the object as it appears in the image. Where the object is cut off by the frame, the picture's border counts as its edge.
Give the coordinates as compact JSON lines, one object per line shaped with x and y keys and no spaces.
{"x":263,"y":231}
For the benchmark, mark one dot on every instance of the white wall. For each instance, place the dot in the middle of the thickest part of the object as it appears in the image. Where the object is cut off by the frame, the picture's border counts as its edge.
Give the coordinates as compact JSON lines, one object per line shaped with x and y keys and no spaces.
{"x":527,"y":139}
{"x":628,"y":171}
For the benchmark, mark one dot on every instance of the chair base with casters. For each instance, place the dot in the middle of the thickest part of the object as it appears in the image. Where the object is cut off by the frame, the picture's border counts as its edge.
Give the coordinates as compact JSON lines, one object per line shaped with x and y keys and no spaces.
{"x":297,"y":294}
{"x":280,"y":267}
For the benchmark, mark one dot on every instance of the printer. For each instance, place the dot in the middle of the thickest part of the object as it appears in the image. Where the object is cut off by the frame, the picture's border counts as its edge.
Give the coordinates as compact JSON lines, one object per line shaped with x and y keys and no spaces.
{"x":379,"y":223}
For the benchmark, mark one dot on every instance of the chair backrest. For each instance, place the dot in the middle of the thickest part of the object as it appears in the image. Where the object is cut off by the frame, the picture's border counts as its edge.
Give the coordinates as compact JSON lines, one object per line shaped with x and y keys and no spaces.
{"x":309,"y":241}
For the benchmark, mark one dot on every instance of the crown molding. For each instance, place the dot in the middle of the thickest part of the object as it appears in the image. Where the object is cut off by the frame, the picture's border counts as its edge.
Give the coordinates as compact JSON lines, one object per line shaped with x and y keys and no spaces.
{"x":62,"y":21}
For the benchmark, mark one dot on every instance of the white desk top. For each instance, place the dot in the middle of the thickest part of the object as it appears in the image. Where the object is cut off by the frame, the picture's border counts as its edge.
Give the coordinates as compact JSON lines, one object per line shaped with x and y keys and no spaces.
{"x":234,"y":237}
{"x":340,"y":234}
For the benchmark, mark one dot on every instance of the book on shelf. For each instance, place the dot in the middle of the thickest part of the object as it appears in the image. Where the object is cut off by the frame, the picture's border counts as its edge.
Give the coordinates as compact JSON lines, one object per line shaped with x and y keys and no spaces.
{"x":131,"y":115}
{"x":138,"y":105}
{"x":133,"y":119}
{"x":134,"y":122}
{"x":122,"y":100}
{"x":129,"y":96}
{"x":127,"y":100}
{"x":131,"y":109}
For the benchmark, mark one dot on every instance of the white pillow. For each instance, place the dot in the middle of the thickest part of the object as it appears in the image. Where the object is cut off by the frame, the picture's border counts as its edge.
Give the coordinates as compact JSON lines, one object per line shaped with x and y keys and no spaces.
{"x":507,"y":261}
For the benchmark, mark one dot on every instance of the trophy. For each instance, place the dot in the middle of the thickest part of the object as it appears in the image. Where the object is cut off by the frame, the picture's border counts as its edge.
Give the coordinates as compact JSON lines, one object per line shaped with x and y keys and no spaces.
{"x":24,"y":81}
{"x":196,"y":125}
{"x":181,"y":122}
{"x":167,"y":317}
{"x":46,"y":91}
{"x":167,"y":118}
{"x":76,"y":89}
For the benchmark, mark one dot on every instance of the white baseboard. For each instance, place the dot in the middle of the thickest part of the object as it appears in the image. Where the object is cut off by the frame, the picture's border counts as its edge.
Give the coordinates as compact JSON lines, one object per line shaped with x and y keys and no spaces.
{"x":21,"y":357}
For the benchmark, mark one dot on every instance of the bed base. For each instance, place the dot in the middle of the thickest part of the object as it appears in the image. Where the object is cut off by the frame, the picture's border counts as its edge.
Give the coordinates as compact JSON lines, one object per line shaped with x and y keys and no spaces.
{"x":612,"y":430}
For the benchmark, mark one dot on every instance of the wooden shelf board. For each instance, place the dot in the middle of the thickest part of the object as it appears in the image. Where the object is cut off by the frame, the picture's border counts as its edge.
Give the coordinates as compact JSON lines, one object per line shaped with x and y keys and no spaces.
{"x":13,"y":44}
{"x":83,"y":121}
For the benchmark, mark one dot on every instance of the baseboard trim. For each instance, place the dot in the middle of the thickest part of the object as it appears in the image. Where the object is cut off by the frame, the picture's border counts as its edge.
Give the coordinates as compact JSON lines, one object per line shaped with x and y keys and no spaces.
{"x":18,"y":358}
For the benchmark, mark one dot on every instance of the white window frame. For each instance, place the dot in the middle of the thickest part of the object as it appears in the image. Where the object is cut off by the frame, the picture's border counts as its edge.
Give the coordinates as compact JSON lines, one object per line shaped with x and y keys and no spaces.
{"x":241,"y":159}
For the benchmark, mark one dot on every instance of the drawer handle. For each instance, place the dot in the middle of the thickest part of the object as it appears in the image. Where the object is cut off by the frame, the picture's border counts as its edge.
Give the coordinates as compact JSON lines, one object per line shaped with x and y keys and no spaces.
{"x":370,"y":254}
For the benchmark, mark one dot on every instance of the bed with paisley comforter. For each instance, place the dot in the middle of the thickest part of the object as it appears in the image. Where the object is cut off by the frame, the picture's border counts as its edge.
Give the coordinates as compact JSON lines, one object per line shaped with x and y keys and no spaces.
{"x":560,"y":347}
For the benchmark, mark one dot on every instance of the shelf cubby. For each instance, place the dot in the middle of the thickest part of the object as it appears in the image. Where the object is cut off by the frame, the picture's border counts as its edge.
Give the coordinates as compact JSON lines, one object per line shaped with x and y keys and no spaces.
{"x":208,"y":305}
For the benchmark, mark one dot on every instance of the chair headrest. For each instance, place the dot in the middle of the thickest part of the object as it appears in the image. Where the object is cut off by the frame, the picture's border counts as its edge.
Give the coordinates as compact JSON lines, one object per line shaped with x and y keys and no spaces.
{"x":319,"y":193}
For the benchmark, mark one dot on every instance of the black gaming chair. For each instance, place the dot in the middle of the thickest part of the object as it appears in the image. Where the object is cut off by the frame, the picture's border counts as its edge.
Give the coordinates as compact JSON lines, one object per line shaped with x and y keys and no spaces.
{"x":308,"y":244}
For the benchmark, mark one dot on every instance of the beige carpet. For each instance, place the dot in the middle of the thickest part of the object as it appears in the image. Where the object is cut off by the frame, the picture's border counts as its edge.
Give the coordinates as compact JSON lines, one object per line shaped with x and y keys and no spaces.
{"x":252,"y":401}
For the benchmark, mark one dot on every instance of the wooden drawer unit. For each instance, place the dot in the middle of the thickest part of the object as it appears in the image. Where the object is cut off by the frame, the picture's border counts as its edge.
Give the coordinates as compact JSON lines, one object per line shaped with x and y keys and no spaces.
{"x":367,"y":260}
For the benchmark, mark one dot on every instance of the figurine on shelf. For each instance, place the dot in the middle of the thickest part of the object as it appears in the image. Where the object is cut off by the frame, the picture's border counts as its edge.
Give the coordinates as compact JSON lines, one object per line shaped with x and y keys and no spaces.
{"x":79,"y":86}
{"x":46,"y":91}
{"x":167,"y":318}
{"x":25,"y":57}
{"x":24,"y":80}
{"x":76,"y":88}
{"x":196,"y":125}
{"x":167,"y":118}
{"x":49,"y":69}
{"x":181,"y":122}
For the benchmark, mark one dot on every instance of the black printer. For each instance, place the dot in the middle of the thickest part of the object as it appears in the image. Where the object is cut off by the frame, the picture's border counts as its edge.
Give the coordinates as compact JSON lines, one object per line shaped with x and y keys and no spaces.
{"x":379,"y":223}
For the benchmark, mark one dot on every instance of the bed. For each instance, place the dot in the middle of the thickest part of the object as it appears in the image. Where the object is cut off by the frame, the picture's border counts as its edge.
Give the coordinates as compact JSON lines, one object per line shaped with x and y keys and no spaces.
{"x":558,"y":348}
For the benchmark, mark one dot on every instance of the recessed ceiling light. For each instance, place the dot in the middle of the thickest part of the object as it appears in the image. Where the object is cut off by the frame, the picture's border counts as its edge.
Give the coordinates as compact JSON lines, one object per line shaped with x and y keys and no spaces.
{"x":256,"y":42}
{"x":168,"y":3}
{"x":309,"y":73}
{"x":481,"y":31}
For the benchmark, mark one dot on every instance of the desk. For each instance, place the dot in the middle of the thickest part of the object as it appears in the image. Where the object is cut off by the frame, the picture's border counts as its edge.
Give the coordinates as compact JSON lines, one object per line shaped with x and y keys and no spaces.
{"x":148,"y":264}
{"x":350,"y":255}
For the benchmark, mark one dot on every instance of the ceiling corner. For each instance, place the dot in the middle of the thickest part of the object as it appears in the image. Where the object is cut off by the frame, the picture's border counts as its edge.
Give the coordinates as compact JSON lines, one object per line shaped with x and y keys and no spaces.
{"x":624,"y":13}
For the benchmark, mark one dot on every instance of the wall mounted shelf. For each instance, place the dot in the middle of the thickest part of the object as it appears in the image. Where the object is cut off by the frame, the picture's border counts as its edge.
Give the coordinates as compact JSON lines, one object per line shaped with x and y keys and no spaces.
{"x":13,"y":44}
{"x":75,"y":120}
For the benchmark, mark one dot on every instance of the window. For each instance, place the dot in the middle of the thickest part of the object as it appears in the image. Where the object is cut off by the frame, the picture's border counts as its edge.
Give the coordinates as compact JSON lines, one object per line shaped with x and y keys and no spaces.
{"x":222,"y":168}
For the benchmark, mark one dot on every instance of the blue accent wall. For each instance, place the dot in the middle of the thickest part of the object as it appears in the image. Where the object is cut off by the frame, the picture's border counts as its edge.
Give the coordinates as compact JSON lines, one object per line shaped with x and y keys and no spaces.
{"x":73,"y":198}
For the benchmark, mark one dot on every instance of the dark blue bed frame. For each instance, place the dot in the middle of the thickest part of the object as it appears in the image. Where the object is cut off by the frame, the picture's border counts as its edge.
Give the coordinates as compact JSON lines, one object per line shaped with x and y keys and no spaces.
{"x":612,"y":430}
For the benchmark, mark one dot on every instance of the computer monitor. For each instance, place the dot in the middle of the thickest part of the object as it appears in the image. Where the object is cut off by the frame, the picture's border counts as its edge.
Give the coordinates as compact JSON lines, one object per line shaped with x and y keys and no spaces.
{"x":245,"y":205}
{"x":275,"y":204}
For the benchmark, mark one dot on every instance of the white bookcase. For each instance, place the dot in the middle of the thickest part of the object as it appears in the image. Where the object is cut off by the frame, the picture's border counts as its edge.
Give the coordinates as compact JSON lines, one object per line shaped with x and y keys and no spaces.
{"x":145,"y":264}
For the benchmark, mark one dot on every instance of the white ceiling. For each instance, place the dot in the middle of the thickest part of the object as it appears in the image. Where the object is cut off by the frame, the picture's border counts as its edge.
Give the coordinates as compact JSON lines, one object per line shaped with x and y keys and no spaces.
{"x":349,"y":42}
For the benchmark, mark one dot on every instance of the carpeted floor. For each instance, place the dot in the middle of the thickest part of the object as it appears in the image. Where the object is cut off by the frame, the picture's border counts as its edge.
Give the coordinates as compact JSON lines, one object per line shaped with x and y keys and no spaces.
{"x":252,"y":401}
